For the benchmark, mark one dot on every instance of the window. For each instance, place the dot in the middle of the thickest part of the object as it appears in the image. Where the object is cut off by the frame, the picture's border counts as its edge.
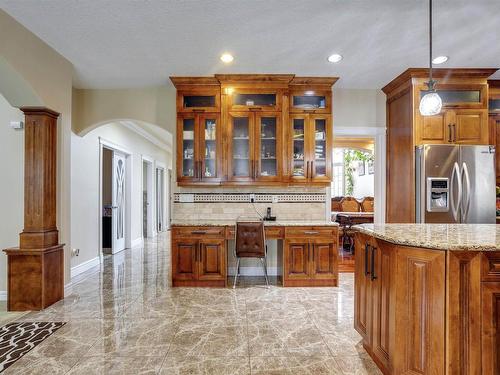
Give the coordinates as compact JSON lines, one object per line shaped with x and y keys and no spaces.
{"x":353,"y":173}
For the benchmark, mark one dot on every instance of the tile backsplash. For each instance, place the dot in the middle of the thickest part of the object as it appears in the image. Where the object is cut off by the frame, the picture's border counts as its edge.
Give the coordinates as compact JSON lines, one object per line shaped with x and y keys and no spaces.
{"x":229,"y":203}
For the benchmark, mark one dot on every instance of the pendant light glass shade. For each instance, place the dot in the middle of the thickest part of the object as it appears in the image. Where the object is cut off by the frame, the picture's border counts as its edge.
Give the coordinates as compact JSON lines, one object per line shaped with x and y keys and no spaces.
{"x":430,"y":104}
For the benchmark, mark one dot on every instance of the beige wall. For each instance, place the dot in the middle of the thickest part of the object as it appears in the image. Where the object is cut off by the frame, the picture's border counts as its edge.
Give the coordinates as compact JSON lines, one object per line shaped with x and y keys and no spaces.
{"x":49,"y":75}
{"x":11,"y":188}
{"x":358,"y":108}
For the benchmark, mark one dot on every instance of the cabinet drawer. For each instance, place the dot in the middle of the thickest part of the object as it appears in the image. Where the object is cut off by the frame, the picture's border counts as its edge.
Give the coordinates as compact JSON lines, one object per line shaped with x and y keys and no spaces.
{"x":197,"y":232}
{"x":491,"y":266}
{"x":271,"y":233}
{"x":311,"y":232}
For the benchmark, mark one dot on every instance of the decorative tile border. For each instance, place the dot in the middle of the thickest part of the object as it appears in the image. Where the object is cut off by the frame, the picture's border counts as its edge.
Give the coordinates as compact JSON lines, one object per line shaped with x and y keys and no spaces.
{"x":17,"y":339}
{"x":245,"y":197}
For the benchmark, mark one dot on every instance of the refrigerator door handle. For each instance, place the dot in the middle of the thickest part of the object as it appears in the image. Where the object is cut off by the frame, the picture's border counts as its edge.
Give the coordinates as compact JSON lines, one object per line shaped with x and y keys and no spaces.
{"x":465,"y":210}
{"x":455,"y":175}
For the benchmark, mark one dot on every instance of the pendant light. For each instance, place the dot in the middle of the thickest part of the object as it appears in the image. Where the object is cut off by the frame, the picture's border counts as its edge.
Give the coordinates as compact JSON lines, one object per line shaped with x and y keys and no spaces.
{"x":431,"y":103}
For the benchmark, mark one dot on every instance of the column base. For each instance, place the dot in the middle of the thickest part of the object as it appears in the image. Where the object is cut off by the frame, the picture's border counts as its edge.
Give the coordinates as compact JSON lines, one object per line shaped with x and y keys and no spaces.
{"x":35,"y":277}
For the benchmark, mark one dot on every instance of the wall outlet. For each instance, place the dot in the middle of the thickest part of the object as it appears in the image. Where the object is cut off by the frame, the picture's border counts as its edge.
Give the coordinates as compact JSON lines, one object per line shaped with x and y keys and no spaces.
{"x":252,"y":198}
{"x":274,"y":199}
{"x":186,"y":198}
{"x":75,"y":252}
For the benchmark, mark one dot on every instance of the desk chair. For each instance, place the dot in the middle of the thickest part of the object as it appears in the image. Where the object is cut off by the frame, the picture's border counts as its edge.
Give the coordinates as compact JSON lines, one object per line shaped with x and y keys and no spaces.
{"x":250,"y":242}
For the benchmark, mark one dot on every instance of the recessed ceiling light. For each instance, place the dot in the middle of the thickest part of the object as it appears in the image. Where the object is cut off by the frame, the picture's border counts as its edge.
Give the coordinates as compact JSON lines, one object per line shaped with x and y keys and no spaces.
{"x":227,"y":58}
{"x":439,"y":60}
{"x":335,"y":58}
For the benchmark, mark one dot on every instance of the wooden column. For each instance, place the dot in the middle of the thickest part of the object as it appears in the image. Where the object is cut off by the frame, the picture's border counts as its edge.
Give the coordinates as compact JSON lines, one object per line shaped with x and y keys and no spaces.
{"x":36,"y":268}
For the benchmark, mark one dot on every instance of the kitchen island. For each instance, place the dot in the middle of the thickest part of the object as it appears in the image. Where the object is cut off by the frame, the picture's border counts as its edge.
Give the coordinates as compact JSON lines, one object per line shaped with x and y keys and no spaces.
{"x":427,"y":297}
{"x":307,"y":251}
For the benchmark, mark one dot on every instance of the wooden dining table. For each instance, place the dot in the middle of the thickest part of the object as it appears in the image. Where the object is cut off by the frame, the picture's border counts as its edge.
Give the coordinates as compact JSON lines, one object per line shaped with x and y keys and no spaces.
{"x":346,"y":220}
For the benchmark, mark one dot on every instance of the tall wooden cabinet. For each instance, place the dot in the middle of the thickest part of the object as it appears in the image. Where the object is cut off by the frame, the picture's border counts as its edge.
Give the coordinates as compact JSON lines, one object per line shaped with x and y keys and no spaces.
{"x":494,"y":120}
{"x":463,"y":120}
{"x":258,"y":129}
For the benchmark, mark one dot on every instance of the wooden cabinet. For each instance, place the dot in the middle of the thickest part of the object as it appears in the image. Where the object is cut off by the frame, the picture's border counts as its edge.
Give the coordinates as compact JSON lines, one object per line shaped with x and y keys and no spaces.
{"x":199,"y":149}
{"x":491,"y":328}
{"x":310,"y":148}
{"x":198,"y":257}
{"x":463,"y":120}
{"x":374,"y":297}
{"x":494,"y":121}
{"x":310,"y":258}
{"x":254,"y":147}
{"x":252,"y":143}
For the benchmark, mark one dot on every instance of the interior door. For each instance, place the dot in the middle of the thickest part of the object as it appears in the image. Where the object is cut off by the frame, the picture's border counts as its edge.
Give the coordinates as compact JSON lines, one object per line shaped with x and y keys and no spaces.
{"x":160,"y":199}
{"x":118,"y":199}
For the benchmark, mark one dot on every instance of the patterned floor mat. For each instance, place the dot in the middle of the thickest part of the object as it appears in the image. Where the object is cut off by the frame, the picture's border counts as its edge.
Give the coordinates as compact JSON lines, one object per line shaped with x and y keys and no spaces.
{"x":17,"y":339}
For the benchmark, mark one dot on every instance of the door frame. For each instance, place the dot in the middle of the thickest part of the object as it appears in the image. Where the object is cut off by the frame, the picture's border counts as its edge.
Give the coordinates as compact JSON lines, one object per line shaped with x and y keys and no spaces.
{"x":151,"y":230}
{"x":378,"y":134}
{"x":103,"y":143}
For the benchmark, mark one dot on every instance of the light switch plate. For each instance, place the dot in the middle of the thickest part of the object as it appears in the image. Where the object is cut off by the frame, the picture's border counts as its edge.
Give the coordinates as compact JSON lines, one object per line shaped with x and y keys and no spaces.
{"x":16,"y":124}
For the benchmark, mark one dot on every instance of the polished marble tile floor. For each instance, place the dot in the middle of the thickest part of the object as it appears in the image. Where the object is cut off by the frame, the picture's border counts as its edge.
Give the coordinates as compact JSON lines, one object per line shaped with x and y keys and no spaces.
{"x":124,"y":318}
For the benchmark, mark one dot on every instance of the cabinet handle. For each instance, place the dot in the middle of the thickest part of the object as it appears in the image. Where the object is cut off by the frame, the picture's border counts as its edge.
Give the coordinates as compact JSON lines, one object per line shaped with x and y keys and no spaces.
{"x":255,"y":108}
{"x":373,"y":262}
{"x":307,"y":170}
{"x":449,"y":132}
{"x":198,"y":110}
{"x":311,"y":232}
{"x":311,"y":174}
{"x":255,"y":169}
{"x":367,"y":250}
{"x":199,"y":232}
{"x":454,"y":133}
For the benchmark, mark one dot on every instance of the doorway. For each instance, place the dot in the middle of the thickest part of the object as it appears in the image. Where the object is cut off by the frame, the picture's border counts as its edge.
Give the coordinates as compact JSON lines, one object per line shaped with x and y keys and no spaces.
{"x":148,"y":222}
{"x":160,"y":199}
{"x":114,"y":200}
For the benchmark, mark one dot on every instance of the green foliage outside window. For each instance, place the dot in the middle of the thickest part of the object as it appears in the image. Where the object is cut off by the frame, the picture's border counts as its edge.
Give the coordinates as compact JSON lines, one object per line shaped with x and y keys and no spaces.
{"x":351,"y":158}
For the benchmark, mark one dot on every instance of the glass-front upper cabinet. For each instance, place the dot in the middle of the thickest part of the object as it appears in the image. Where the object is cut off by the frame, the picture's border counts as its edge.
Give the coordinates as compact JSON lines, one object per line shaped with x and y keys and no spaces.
{"x":310,"y":101}
{"x":244,"y":99}
{"x":311,"y":147}
{"x":460,"y":96}
{"x":240,"y":150}
{"x":199,"y":148}
{"x":199,"y":100}
{"x":268,"y":152}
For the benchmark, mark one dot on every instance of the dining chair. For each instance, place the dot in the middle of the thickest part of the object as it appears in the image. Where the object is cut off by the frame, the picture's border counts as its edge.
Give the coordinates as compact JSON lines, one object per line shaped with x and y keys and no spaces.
{"x":367,"y":204}
{"x":349,"y":204}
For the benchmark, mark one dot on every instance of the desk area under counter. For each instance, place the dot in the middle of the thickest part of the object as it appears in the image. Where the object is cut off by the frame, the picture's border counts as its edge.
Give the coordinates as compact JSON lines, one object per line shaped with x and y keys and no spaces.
{"x":306,"y":252}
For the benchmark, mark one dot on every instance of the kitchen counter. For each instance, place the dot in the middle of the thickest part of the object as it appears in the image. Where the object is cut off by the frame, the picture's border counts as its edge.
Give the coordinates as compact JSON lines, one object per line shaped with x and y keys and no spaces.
{"x":453,"y":237}
{"x":279,"y":223}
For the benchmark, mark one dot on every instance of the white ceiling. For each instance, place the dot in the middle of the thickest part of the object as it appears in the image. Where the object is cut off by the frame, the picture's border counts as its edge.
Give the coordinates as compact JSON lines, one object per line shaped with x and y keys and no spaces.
{"x":125,"y":43}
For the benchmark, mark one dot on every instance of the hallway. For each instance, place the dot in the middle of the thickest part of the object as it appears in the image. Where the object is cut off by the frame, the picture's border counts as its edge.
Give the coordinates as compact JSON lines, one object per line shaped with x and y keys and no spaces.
{"x":125,"y":319}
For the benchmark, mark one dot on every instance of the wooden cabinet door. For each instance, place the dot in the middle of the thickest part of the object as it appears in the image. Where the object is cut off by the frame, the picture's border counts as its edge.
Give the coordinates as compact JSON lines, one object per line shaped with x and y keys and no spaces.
{"x":319,"y":139}
{"x":184,"y":259}
{"x":268,"y":146}
{"x":470,"y":126}
{"x":420,"y":312}
{"x":362,"y":285}
{"x":324,"y":259}
{"x":298,"y":149}
{"x":212,"y":259}
{"x":210,"y":147}
{"x":491,"y":328}
{"x":495,"y":124}
{"x":240,"y":147}
{"x":188,"y":160}
{"x":433,"y":129}
{"x":382,"y":329}
{"x":296,"y":259}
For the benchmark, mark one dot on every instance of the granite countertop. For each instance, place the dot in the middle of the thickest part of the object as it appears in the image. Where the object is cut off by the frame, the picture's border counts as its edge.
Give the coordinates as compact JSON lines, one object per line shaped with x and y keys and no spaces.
{"x":278,"y":223}
{"x":454,"y":237}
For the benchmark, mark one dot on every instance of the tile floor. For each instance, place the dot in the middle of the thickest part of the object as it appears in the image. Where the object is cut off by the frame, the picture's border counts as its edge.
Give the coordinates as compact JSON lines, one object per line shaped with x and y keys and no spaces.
{"x":126,"y":319}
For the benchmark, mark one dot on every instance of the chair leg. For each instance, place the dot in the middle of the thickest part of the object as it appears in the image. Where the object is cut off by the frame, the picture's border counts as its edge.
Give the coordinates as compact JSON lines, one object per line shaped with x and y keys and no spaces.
{"x":237,"y":272}
{"x":264,"y":265}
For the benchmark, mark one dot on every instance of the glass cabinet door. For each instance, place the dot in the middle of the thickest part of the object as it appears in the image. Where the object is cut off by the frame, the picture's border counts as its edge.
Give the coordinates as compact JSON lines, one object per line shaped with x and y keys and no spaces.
{"x":299,"y":151}
{"x":268,"y":146}
{"x":253,"y":99}
{"x":320,"y":167}
{"x":188,"y":157}
{"x":209,"y":146}
{"x":198,"y":100}
{"x":308,"y":101}
{"x":240,"y":147}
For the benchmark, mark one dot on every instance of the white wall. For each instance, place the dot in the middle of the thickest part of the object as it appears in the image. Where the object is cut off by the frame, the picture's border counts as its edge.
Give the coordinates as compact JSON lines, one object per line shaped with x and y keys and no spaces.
{"x":358,"y":108}
{"x":363,"y":185}
{"x":12,"y":186}
{"x":85,"y":184}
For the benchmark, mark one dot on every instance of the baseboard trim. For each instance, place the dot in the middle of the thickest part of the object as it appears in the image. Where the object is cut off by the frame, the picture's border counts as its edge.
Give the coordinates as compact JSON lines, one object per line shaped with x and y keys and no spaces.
{"x":3,"y":295}
{"x":253,"y":271}
{"x":85,"y":266}
{"x":137,"y":242}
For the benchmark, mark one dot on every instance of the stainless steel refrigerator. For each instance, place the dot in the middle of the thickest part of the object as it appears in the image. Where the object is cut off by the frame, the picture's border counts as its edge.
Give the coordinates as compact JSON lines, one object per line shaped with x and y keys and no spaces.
{"x":455,"y":184}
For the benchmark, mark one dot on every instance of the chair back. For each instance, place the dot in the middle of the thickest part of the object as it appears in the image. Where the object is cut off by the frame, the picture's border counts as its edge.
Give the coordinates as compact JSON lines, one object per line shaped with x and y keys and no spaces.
{"x":250,"y":239}
{"x":367,"y":204}
{"x":349,"y":204}
{"x":336,"y":204}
